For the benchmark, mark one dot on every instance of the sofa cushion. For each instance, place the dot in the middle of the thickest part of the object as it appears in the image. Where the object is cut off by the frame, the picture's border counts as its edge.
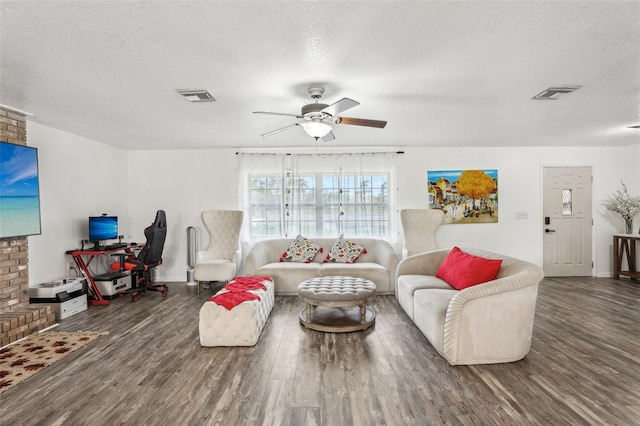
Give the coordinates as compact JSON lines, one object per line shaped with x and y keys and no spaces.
{"x":344,"y":251}
{"x":408,"y":284}
{"x":222,"y":269}
{"x":287,"y":275}
{"x":367,"y":270}
{"x":300,"y":250}
{"x":461,"y":270}
{"x":430,"y":312}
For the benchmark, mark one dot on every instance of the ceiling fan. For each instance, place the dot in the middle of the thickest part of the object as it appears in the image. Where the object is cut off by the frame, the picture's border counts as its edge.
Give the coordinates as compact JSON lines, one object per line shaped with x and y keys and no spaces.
{"x":317,"y":117}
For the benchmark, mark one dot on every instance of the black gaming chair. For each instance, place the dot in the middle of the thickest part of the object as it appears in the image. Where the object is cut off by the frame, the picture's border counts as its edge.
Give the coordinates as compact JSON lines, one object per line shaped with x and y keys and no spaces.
{"x":148,"y":258}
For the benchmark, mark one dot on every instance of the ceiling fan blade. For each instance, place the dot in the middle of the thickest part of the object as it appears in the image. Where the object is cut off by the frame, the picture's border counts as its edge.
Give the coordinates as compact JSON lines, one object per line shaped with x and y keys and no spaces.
{"x":278,"y":113}
{"x":361,"y":122}
{"x":328,"y":137}
{"x":342,"y":105}
{"x":273,"y":132}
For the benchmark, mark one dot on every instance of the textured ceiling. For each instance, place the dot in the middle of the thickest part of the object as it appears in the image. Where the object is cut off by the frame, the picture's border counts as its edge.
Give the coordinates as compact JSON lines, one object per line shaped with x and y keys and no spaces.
{"x":441,"y":73}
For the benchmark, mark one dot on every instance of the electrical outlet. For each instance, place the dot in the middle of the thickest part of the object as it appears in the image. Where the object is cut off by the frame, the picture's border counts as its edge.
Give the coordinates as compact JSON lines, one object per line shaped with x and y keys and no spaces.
{"x":69,"y":265}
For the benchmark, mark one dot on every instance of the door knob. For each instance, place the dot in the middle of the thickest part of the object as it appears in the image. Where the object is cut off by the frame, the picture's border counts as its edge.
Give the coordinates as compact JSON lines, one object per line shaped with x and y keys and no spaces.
{"x":549,"y":230}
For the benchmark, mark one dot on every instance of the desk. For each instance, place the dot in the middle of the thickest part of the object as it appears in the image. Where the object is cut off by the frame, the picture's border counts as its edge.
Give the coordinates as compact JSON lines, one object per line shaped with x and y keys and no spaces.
{"x":624,"y":246}
{"x":79,"y":257}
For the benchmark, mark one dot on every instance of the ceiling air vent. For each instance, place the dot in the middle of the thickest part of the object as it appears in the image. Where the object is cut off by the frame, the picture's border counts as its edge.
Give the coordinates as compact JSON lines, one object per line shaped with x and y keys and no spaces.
{"x":553,"y":93}
{"x":199,"y":95}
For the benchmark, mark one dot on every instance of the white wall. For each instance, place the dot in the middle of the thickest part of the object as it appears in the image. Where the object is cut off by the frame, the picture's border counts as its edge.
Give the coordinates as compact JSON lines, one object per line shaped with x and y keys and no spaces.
{"x":631,"y":159}
{"x":520,"y":190}
{"x":78,"y":178}
{"x":81,"y":177}
{"x":184,"y":183}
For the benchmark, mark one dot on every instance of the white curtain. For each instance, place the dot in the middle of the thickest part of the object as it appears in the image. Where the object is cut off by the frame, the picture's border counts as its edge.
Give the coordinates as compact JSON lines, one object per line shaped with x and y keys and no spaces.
{"x":324,"y":194}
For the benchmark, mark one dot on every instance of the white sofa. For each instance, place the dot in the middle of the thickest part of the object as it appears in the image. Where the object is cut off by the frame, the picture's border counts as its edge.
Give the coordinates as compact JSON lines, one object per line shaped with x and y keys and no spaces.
{"x":483,"y":324}
{"x":378,"y":264}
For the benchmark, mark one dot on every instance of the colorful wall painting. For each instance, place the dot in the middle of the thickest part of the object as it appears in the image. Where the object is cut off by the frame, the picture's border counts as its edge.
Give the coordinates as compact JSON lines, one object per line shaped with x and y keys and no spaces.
{"x":465,"y":196}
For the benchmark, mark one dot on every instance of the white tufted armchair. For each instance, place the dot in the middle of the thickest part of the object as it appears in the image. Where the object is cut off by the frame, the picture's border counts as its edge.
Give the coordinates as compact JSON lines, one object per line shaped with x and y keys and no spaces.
{"x":221,"y":259}
{"x":419,"y":228}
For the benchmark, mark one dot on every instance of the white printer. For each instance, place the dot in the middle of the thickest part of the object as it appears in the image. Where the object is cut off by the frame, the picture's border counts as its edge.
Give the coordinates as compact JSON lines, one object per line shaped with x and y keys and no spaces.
{"x":68,"y":294}
{"x":113,"y":283}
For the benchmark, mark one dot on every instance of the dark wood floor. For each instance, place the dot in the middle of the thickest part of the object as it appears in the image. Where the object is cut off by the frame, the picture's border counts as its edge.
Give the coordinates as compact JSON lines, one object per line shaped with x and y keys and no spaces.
{"x":583,"y":368}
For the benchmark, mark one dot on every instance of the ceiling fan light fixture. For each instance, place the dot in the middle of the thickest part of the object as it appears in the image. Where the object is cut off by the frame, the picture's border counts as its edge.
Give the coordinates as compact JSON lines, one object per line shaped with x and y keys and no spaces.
{"x":316,"y":129}
{"x":319,"y":118}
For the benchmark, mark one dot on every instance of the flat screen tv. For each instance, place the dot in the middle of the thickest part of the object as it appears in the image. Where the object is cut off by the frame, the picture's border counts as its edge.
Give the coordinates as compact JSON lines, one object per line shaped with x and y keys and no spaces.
{"x":102,"y":228}
{"x":19,"y":191}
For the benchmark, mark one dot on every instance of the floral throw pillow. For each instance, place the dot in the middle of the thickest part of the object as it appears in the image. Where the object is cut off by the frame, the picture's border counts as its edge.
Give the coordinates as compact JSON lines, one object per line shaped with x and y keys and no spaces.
{"x":344,"y":251}
{"x":301,"y":250}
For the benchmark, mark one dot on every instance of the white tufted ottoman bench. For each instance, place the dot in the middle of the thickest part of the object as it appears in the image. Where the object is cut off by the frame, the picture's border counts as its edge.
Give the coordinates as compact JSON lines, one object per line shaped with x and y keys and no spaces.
{"x":242,"y":324}
{"x":340,"y":293}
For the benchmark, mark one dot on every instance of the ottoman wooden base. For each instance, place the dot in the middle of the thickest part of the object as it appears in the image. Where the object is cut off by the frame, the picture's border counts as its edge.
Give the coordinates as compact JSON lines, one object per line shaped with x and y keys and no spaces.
{"x":240,"y":326}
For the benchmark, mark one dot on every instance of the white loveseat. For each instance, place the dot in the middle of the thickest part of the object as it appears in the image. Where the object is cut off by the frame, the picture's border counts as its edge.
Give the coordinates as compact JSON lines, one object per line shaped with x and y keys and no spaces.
{"x":378,"y":264}
{"x":483,"y":324}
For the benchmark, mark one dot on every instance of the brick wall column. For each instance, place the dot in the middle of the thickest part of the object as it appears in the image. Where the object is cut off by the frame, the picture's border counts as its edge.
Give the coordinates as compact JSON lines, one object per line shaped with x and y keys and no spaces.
{"x":17,"y":317}
{"x":14,"y":252}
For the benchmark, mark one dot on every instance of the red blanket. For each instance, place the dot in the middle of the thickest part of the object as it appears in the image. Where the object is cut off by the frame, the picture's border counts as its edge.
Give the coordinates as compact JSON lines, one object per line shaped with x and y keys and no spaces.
{"x":230,"y":299}
{"x":236,"y":287}
{"x":238,"y":291}
{"x":249,"y":280}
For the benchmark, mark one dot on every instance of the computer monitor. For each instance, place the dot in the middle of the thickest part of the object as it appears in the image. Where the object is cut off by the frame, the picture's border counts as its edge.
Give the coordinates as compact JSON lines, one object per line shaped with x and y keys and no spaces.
{"x":102,"y":228}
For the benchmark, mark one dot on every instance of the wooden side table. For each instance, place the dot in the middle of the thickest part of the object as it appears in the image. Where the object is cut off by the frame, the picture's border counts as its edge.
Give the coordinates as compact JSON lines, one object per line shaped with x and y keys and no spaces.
{"x":624,"y":247}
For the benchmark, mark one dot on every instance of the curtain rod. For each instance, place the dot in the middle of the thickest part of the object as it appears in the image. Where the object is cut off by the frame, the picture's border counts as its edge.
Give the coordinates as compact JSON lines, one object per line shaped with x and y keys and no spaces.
{"x":335,"y":153}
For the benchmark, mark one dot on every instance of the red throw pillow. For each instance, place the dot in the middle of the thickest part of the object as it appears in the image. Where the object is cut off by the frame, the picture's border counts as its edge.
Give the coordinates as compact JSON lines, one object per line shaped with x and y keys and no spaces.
{"x":461,"y":270}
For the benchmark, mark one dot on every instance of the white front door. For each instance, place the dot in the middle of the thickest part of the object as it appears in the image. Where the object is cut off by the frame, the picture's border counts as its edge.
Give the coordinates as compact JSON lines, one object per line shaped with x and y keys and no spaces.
{"x":567,"y":222}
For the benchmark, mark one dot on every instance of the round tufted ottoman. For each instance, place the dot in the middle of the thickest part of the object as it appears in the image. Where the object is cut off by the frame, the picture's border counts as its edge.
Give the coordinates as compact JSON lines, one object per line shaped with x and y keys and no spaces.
{"x":340,"y":293}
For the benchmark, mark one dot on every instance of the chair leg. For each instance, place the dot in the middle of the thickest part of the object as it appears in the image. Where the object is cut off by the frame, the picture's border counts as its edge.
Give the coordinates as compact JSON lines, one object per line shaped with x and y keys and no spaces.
{"x":214,"y":286}
{"x":145,"y":284}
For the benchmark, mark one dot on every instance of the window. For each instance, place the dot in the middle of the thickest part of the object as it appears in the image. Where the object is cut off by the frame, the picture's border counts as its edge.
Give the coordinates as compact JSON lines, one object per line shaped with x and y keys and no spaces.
{"x":567,"y":202}
{"x":266,"y":200}
{"x":321,"y":197}
{"x":360,"y":202}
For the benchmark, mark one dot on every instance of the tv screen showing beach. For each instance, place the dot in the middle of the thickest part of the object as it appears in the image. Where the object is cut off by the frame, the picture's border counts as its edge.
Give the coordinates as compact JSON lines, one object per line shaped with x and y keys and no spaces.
{"x":19,"y":191}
